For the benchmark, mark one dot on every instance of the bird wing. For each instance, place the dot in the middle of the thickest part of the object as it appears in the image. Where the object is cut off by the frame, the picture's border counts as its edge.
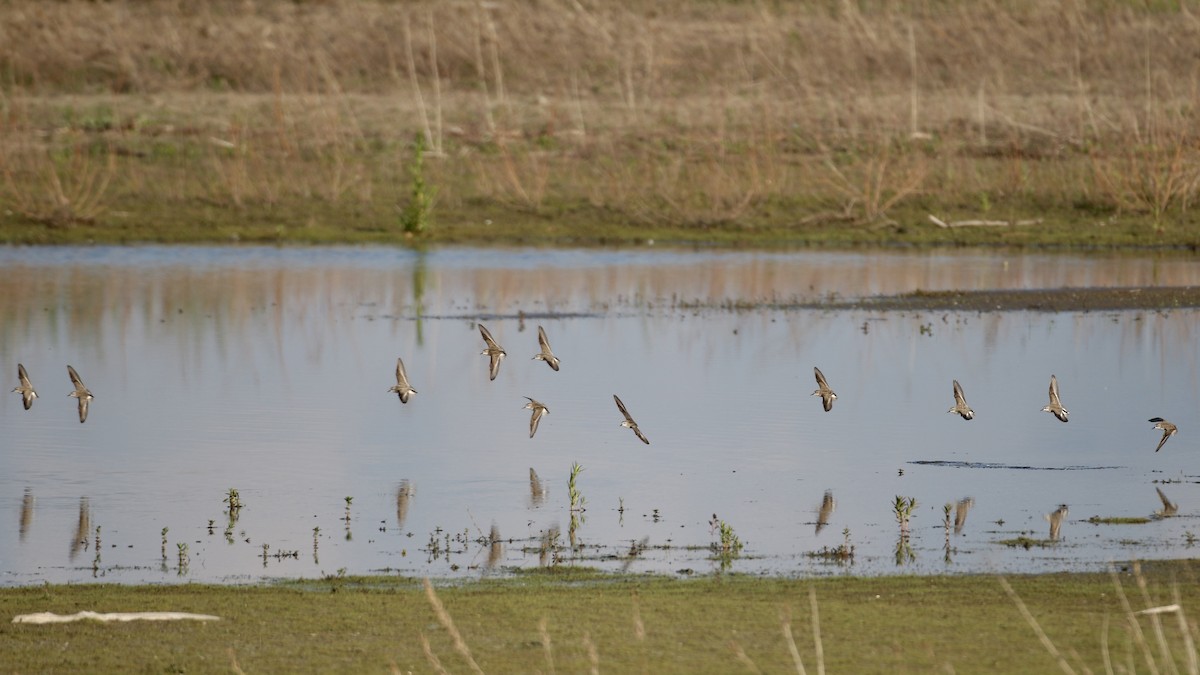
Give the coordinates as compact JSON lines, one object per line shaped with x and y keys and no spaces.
{"x":493,"y":365}
{"x":959,"y":398}
{"x":23,"y":376}
{"x":1166,"y":434}
{"x":621,"y":407}
{"x":487,"y":337}
{"x":820,"y":378}
{"x":535,"y":419}
{"x":83,"y":408}
{"x":401,"y":375}
{"x":1054,"y":391}
{"x":640,"y":435}
{"x":79,"y":386}
{"x":827,"y":401}
{"x":542,"y":341}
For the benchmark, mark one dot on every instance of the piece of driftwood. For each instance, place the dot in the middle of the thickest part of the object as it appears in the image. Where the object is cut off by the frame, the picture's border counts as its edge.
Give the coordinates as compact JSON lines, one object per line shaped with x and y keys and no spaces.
{"x":982,"y":223}
{"x":50,"y":617}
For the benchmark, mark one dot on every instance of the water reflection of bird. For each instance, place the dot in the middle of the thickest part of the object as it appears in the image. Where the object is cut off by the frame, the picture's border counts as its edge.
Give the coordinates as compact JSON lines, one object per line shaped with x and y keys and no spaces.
{"x":828,"y":504}
{"x":538,"y":409}
{"x":960,"y":403}
{"x":25,"y":388}
{"x":1168,"y":430}
{"x":1169,"y":508}
{"x":404,"y":493}
{"x":545,"y":354}
{"x":493,"y":351}
{"x":823,"y":390}
{"x":26,"y":512}
{"x":547,"y":552}
{"x":629,"y":423}
{"x":402,"y":389}
{"x":81,"y":392}
{"x":537,"y":491}
{"x":82,"y":527}
{"x":960,"y":513}
{"x":495,"y":548}
{"x":1056,"y":521}
{"x":1055,"y":407}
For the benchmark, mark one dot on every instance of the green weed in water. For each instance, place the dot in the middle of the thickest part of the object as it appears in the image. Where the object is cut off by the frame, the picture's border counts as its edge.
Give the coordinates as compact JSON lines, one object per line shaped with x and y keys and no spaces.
{"x":903,"y":509}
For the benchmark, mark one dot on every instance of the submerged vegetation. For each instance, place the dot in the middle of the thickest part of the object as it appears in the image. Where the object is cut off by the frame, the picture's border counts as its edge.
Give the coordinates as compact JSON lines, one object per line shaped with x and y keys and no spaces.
{"x":734,"y":123}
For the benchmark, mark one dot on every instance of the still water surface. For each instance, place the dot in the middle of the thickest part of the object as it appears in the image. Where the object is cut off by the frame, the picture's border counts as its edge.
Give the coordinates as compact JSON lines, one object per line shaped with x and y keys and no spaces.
{"x":266,"y":370}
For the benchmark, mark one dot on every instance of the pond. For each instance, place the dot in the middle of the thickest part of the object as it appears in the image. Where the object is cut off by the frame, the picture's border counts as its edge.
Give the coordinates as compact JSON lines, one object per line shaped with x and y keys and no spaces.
{"x":266,"y":371}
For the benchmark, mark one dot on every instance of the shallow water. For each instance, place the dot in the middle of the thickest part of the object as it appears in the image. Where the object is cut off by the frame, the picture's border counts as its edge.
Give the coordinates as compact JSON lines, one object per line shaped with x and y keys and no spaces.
{"x":266,"y":370}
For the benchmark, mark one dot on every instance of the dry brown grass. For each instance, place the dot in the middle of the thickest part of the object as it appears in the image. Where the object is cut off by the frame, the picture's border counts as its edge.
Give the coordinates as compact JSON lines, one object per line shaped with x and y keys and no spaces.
{"x":681,"y":113}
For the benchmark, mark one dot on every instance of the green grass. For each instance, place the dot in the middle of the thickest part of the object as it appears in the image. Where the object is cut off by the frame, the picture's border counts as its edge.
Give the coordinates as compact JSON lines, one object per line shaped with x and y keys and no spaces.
{"x":1026,"y":542}
{"x":1119,"y":520}
{"x":634,"y":624}
{"x":312,"y":221}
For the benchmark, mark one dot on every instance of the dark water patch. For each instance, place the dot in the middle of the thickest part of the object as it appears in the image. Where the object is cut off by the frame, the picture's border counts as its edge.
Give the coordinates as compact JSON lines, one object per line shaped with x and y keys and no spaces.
{"x":1017,"y":467}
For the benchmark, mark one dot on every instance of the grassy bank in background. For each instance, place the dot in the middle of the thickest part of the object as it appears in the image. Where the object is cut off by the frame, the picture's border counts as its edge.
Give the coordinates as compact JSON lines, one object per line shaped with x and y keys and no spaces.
{"x":574,"y":621}
{"x":819,"y":123}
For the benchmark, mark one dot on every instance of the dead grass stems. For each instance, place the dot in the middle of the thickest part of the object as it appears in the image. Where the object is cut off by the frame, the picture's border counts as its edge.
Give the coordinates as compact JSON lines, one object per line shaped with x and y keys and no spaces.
{"x":785,"y":624}
{"x":650,"y":113}
{"x":443,"y":617}
{"x":1159,"y":658}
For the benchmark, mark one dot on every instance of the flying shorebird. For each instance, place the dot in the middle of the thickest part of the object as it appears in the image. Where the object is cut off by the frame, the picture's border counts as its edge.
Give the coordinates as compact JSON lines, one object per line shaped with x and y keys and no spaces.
{"x":1168,"y":430}
{"x":960,"y":403}
{"x":81,"y":392}
{"x":629,"y":423}
{"x":493,"y":351}
{"x":538,"y":409}
{"x":25,"y":388}
{"x":546,"y":355}
{"x":1055,"y":408}
{"x":402,"y":389}
{"x":823,"y":390}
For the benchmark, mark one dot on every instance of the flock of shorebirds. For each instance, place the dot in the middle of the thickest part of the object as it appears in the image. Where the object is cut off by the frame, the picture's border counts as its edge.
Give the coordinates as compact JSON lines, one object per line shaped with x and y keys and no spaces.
{"x":496,"y":354}
{"x":1054,"y":407}
{"x":27,"y":392}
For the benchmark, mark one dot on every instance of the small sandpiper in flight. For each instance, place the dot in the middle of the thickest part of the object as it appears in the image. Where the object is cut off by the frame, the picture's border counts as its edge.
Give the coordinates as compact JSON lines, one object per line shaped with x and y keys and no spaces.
{"x":493,"y":351}
{"x":25,"y":388}
{"x":538,"y":409}
{"x":629,"y":423}
{"x":81,"y":392}
{"x":1168,"y":430}
{"x":545,"y":354}
{"x":823,"y":390}
{"x":1055,"y":407}
{"x":960,"y":403}
{"x":402,"y":389}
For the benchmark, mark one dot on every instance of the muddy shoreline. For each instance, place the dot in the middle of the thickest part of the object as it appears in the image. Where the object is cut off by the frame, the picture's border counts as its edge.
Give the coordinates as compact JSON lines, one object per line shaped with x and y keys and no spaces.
{"x":1033,"y":300}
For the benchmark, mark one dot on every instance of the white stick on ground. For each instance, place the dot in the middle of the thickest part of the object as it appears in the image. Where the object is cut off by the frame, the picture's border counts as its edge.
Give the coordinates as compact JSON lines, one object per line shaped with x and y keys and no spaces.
{"x":50,"y":617}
